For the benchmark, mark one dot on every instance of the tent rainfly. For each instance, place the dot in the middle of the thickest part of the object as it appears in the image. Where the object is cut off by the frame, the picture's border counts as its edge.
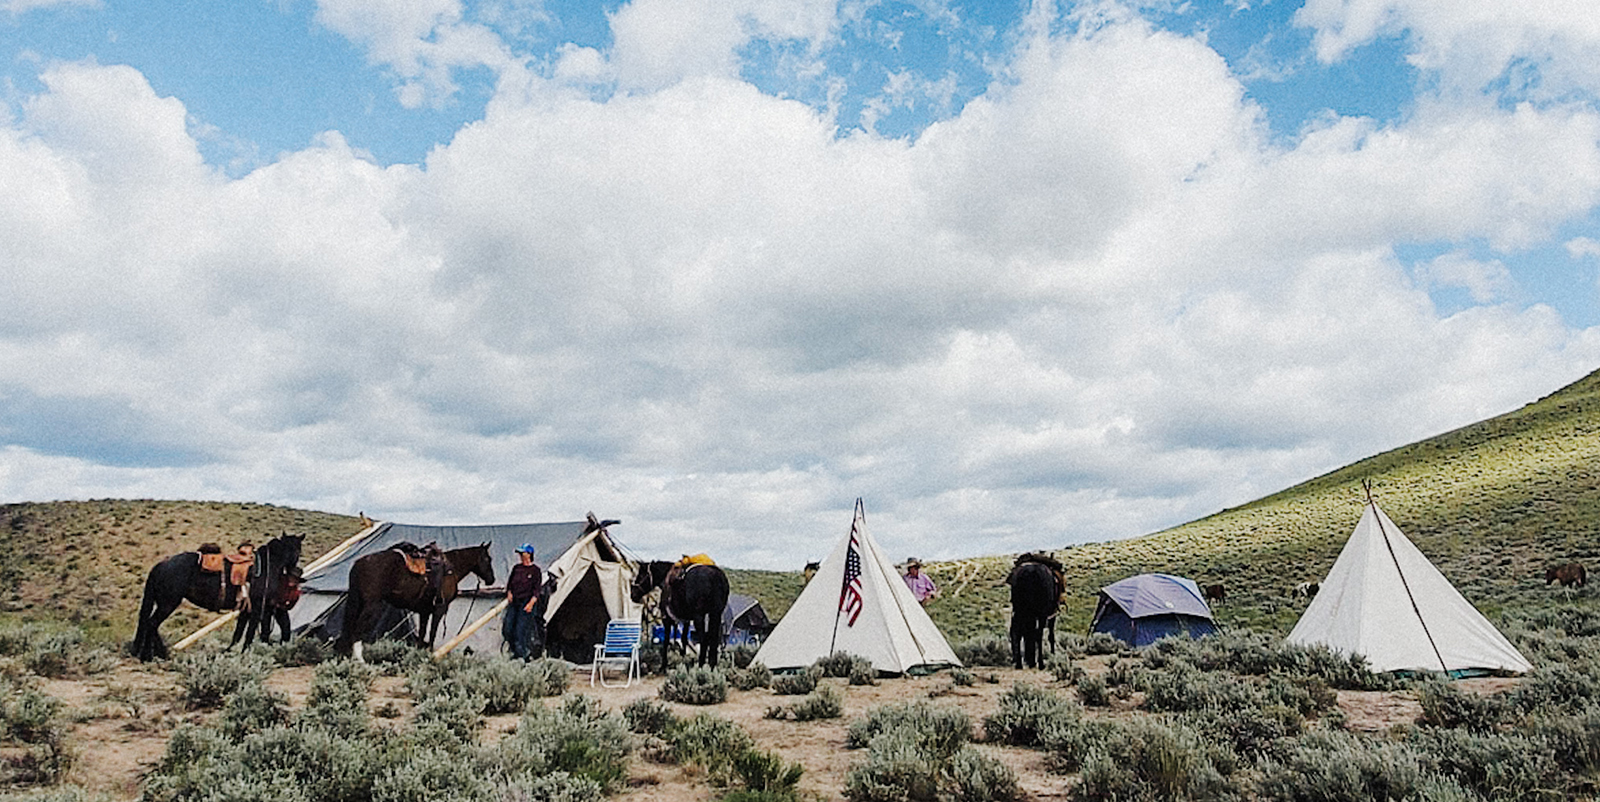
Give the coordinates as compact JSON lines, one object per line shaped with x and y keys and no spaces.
{"x":1385,"y":601}
{"x":744,"y":620}
{"x":857,"y":603}
{"x":590,"y":572}
{"x":1143,"y":609}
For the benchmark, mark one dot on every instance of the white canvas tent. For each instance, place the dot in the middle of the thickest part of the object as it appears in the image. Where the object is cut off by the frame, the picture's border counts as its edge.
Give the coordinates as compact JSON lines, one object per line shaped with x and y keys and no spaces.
{"x":857,"y":603}
{"x":1384,"y":600}
{"x":591,"y":572}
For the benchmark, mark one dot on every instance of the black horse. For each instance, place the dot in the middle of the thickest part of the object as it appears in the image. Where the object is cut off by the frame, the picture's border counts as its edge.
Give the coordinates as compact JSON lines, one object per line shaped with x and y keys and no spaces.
{"x":1035,"y":597}
{"x":273,"y":592}
{"x":382,"y":577}
{"x":179,"y":577}
{"x":692,"y":596}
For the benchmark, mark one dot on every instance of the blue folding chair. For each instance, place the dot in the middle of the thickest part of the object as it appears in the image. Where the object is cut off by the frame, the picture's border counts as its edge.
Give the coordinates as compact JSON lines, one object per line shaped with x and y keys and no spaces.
{"x":620,"y":650}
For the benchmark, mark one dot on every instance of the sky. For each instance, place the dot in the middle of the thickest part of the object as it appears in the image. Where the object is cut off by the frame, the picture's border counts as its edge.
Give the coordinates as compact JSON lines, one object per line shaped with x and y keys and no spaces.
{"x":1018,"y":274}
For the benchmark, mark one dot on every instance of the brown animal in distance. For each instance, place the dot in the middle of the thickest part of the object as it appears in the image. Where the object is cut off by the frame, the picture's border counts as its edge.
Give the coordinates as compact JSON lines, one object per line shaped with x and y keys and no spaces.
{"x":1568,"y":575}
{"x":1214,"y":593}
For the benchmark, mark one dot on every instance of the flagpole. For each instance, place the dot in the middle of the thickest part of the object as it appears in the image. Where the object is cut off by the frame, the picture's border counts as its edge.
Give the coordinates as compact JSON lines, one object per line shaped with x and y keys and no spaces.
{"x":860,"y":515}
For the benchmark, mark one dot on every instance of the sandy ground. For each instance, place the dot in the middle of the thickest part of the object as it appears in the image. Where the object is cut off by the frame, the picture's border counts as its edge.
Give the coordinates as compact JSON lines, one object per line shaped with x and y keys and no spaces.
{"x":123,"y":718}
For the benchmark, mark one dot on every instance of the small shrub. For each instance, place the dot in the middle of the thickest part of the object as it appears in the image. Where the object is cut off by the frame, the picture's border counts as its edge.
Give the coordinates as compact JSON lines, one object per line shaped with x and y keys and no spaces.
{"x":208,"y":679}
{"x":754,"y":675}
{"x":905,"y":761}
{"x":310,"y":652}
{"x":862,"y":672}
{"x":944,"y":728}
{"x":32,"y":719}
{"x":1027,"y":713}
{"x":1446,"y":705}
{"x":578,"y":738}
{"x":767,"y":772}
{"x":984,"y":650}
{"x":709,"y":742}
{"x":648,"y":716}
{"x":795,"y":684}
{"x":1092,"y":692}
{"x":695,"y":686}
{"x":459,"y":715}
{"x":838,"y":664}
{"x":827,"y":701}
{"x":1060,"y":666}
{"x":1335,"y":766}
{"x":1102,"y":643}
{"x":252,"y":709}
{"x":338,"y":697}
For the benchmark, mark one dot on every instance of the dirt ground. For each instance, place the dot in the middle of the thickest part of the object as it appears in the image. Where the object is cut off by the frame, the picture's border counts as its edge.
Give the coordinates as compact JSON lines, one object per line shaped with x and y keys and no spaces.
{"x":123,"y":718}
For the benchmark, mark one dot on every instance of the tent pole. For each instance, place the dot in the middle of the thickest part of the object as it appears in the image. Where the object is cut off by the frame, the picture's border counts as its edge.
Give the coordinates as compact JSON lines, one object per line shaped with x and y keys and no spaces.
{"x":451,"y":644}
{"x":1376,"y":516}
{"x":335,"y":554}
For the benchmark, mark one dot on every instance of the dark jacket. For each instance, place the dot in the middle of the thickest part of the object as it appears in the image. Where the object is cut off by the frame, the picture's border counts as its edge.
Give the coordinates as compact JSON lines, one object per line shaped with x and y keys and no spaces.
{"x":523,"y":584}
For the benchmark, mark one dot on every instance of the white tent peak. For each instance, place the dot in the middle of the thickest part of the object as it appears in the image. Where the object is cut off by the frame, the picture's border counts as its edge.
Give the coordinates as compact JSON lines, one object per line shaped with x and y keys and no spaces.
{"x":857,"y":603}
{"x":1384,"y":600}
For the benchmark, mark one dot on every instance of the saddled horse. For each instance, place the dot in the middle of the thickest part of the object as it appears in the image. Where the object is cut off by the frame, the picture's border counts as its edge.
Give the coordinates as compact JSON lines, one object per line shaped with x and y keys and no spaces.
{"x":180,"y":577}
{"x":694,"y":595}
{"x":271,"y":597}
{"x":1035,"y":598}
{"x":383,"y":577}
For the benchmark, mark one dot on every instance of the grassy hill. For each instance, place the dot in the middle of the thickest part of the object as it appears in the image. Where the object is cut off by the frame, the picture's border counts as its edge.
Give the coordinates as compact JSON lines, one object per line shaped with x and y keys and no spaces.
{"x":1491,"y":504}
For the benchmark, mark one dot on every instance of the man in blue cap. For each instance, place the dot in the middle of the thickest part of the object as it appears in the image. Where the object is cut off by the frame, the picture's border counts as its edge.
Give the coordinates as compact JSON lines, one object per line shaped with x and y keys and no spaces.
{"x":522,"y":595}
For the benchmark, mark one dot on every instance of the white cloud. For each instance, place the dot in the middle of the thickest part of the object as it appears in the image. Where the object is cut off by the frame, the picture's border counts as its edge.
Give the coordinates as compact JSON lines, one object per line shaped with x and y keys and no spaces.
{"x":657,"y":43}
{"x":1544,"y":48}
{"x":1486,"y":281}
{"x":1097,"y":301}
{"x":19,"y":7}
{"x":423,"y":41}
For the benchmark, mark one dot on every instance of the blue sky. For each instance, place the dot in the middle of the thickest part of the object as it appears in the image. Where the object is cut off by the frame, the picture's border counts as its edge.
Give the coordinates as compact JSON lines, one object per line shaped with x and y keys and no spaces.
{"x":1022,"y":274}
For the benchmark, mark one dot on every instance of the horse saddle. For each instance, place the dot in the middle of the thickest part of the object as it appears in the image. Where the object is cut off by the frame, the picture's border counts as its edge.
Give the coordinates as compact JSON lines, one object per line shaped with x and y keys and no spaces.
{"x":236,"y":565}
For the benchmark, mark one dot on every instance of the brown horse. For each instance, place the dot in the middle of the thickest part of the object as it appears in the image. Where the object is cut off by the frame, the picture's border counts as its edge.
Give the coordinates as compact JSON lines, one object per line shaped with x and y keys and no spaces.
{"x":179,"y":577}
{"x":1036,"y":586}
{"x":695,"y":596}
{"x":382,"y":577}
{"x":1568,"y":575}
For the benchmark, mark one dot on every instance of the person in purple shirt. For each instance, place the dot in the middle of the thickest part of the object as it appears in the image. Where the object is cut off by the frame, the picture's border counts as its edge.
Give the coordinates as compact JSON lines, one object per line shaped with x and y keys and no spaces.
{"x":522,"y":595}
{"x":921,"y":584}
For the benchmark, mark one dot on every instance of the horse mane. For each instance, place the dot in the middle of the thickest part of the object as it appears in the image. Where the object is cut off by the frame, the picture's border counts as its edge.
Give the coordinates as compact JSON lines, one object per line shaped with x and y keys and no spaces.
{"x":1043,"y":558}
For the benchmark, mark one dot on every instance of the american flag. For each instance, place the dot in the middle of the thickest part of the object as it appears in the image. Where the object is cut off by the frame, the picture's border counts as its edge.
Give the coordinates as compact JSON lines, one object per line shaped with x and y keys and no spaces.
{"x":850,"y":602}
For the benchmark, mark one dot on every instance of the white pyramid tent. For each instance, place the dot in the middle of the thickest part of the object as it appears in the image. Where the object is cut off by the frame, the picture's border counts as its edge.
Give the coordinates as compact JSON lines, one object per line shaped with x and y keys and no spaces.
{"x":1384,"y":600}
{"x":857,"y":603}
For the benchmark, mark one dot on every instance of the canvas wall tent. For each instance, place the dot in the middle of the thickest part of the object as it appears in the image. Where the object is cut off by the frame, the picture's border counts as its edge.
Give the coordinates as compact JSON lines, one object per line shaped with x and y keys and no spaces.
{"x":592,"y":578}
{"x":1143,"y":609}
{"x":744,"y":620}
{"x":857,"y":603}
{"x":1385,"y":601}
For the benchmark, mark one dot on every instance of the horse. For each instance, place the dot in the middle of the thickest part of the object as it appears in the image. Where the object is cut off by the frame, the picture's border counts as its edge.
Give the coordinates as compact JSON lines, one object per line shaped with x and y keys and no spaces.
{"x":1568,"y":575}
{"x":1214,"y":593}
{"x":1035,"y":598}
{"x":269,"y":602}
{"x":694,"y":595}
{"x":179,"y":577}
{"x":382,"y":577}
{"x":1307,"y":590}
{"x":810,"y":571}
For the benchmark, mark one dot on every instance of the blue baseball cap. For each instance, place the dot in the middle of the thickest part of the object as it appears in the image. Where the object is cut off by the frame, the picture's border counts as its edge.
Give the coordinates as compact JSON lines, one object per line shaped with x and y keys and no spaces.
{"x":526,"y":548}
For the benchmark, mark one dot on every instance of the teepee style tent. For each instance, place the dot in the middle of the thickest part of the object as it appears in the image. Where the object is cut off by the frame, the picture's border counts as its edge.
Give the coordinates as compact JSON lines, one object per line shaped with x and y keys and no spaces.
{"x":857,"y":603}
{"x":1143,"y":609}
{"x":592,"y":578}
{"x":1383,"y":600}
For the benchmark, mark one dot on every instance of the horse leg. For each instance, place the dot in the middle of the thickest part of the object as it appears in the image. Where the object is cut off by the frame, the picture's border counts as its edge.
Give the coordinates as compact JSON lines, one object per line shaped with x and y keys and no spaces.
{"x":163,"y":611}
{"x":1016,"y":640}
{"x":711,"y":638}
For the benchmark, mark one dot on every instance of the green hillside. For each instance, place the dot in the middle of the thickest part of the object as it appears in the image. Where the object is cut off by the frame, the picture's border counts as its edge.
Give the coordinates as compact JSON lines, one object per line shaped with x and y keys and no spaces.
{"x":1491,"y":504}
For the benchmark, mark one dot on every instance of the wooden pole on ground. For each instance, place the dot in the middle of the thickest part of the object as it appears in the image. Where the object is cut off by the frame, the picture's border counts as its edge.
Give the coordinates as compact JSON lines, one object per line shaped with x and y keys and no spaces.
{"x":451,"y":644}
{"x":337,"y":552}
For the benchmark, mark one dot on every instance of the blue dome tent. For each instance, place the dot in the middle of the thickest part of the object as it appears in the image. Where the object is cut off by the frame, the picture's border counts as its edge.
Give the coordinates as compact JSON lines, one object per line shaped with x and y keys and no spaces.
{"x":1143,"y":609}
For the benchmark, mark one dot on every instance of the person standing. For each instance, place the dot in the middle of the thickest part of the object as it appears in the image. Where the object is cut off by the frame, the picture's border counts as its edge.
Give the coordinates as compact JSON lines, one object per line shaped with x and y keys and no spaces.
{"x":522,"y":595}
{"x":921,"y":584}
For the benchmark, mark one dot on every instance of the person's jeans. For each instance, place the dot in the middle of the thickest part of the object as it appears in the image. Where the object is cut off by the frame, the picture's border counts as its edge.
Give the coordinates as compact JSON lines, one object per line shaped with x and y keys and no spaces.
{"x":517,"y":629}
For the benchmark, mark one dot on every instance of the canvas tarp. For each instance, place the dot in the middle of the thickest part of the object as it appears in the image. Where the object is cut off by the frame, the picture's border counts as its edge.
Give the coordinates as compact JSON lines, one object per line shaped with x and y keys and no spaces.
{"x":889,"y":627}
{"x":1385,"y":601}
{"x":1143,"y":609}
{"x":593,"y":578}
